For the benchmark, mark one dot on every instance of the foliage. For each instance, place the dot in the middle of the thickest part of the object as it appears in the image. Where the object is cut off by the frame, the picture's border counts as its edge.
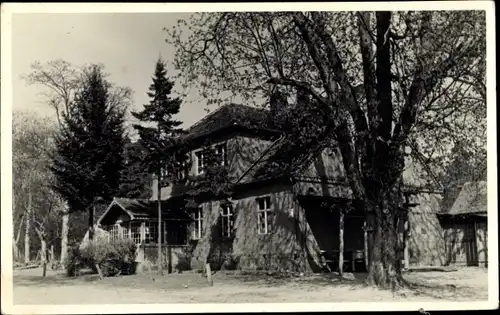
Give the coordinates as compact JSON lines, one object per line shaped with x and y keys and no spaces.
{"x":135,"y":181}
{"x":34,"y":200}
{"x":113,"y":257}
{"x":159,"y":141}
{"x":213,"y":183}
{"x":385,"y":80}
{"x":184,"y":259}
{"x":90,"y":144}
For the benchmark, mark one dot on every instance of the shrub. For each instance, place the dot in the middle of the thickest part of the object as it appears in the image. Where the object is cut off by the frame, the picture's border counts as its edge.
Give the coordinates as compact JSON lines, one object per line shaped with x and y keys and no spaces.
{"x":231,"y":263}
{"x":184,"y":259}
{"x":112,"y":256}
{"x":77,"y":260}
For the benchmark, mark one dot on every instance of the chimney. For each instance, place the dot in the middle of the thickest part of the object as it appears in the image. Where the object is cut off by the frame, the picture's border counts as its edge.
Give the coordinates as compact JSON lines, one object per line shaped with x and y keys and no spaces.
{"x":154,"y":187}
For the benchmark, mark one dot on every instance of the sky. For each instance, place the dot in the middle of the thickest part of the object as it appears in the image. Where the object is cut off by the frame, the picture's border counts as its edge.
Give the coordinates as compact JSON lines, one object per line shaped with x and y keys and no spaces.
{"x":127,"y":44}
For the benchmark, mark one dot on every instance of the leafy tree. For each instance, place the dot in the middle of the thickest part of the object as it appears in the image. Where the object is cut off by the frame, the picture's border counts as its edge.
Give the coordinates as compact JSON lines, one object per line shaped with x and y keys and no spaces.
{"x":383,"y":78}
{"x":160,"y":142}
{"x":135,"y":179}
{"x":90,"y":143}
{"x":62,"y":81}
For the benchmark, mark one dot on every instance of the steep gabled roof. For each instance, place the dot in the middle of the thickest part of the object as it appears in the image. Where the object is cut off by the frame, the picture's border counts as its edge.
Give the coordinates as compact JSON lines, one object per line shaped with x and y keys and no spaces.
{"x":140,"y":209}
{"x":472,"y":199}
{"x":231,"y":115}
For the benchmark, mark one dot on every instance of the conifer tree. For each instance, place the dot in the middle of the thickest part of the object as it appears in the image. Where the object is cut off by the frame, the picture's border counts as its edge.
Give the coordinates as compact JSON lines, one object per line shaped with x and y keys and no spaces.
{"x":135,"y":180}
{"x":89,"y":146}
{"x":160,"y":140}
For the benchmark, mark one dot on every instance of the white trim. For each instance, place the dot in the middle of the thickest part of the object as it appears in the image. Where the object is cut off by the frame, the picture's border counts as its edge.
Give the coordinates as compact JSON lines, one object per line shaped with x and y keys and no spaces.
{"x":266,"y":211}
{"x":114,"y":202}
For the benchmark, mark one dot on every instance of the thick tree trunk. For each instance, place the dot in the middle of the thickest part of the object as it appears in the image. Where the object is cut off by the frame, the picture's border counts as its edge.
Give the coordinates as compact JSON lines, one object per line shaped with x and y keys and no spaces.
{"x":27,"y":228}
{"x":384,"y":269}
{"x":64,"y":237}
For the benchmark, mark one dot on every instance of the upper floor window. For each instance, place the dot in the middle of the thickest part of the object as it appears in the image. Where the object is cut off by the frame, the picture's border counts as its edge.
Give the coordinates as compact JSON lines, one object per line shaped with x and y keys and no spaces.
{"x":221,"y":152}
{"x":264,"y":215}
{"x":227,"y":216}
{"x":200,"y":163}
{"x":198,"y":223}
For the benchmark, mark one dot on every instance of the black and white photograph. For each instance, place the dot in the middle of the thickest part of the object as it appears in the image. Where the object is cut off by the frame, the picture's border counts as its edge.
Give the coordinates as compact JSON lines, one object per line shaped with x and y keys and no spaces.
{"x":230,"y":157}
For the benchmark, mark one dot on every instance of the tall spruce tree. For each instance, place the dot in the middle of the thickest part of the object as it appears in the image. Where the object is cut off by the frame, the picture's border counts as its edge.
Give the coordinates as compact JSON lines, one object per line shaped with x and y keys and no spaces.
{"x":135,"y":179}
{"x":160,"y":140}
{"x":89,"y":146}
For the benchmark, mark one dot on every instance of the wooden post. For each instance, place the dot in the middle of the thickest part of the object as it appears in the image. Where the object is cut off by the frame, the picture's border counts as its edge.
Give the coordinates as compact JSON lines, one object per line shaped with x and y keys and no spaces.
{"x":209,"y":274}
{"x":341,"y":242}
{"x":160,"y":226}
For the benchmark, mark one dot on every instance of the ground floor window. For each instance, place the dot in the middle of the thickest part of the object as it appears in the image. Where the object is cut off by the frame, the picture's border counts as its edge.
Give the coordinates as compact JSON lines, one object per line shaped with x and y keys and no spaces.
{"x":176,"y":233}
{"x":135,"y":232}
{"x":198,"y":223}
{"x":227,"y":217}
{"x":264,"y":215}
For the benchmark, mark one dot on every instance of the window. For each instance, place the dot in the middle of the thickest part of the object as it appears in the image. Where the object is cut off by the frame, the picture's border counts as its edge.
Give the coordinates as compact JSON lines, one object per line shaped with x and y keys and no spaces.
{"x":150,"y":232}
{"x":135,"y":232}
{"x":181,"y":171}
{"x":200,"y":165}
{"x":198,"y":223}
{"x":176,"y":233}
{"x":114,"y":232}
{"x":264,"y":215}
{"x":221,"y":153}
{"x":227,"y":220}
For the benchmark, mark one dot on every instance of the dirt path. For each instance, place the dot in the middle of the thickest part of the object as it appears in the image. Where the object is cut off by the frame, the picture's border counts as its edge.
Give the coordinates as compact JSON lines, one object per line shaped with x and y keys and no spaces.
{"x":185,"y":288}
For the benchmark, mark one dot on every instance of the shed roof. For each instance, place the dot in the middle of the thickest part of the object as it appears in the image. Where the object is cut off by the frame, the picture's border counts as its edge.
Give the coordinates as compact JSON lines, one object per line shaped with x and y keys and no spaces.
{"x":472,"y":199}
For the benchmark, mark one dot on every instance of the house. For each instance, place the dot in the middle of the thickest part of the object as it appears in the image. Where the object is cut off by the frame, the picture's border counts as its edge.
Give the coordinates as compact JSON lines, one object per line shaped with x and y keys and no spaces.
{"x":465,"y":226}
{"x":284,"y":208}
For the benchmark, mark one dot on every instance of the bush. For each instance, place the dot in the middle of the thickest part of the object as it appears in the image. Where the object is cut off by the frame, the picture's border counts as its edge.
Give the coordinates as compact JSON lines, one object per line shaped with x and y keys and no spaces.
{"x":184,"y":259}
{"x":112,"y":256}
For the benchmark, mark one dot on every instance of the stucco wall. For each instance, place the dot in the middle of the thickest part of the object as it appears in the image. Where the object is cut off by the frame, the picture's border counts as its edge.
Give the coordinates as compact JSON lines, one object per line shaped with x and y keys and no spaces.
{"x":243,"y":151}
{"x":148,"y":255}
{"x":426,"y":241}
{"x":290,"y":245}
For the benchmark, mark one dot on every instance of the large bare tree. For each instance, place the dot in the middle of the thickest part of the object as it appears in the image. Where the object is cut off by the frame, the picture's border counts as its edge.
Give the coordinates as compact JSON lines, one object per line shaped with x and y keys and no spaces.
{"x":386,"y":79}
{"x":35,"y":202}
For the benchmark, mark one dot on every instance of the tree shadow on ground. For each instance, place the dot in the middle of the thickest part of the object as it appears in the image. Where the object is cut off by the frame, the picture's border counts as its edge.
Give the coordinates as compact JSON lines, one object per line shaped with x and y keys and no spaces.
{"x":271,"y":279}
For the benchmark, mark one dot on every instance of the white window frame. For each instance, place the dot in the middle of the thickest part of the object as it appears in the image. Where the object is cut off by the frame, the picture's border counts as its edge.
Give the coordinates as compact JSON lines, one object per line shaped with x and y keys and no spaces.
{"x":197,"y":224}
{"x":154,"y":226}
{"x":139,"y":233}
{"x":223,"y":152}
{"x":227,"y":215}
{"x":200,"y":162}
{"x":266,"y":210}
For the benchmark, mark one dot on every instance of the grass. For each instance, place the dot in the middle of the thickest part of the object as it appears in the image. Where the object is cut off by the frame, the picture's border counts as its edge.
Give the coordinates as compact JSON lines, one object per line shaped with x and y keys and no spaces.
{"x":238,"y":287}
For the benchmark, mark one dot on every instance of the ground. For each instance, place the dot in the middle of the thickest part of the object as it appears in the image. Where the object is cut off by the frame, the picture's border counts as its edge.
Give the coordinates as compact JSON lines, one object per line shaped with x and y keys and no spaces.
{"x":470,"y":284}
